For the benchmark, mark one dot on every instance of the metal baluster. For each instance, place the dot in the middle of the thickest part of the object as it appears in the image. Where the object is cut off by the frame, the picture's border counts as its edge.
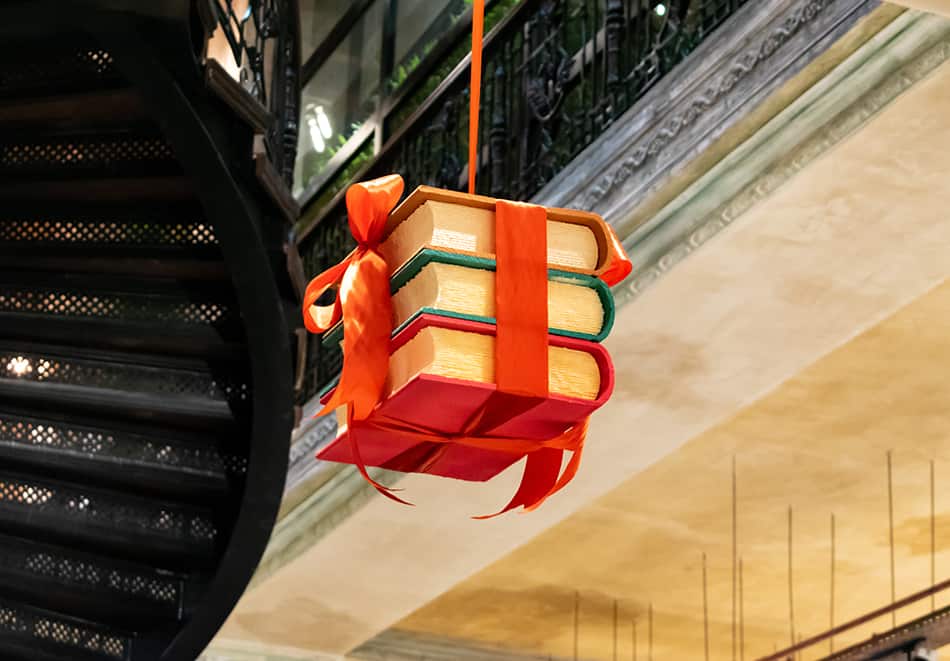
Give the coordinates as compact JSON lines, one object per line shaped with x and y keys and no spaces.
{"x":613,"y":25}
{"x":498,"y":138}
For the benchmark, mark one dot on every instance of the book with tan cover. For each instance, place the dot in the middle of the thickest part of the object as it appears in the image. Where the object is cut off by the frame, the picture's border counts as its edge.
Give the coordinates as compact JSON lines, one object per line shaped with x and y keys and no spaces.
{"x":461,"y":223}
{"x":463,"y":286}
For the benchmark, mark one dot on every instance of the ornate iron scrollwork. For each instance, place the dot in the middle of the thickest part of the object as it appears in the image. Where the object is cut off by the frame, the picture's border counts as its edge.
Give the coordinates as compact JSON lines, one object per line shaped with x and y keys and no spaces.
{"x":263,"y":38}
{"x":557,"y":74}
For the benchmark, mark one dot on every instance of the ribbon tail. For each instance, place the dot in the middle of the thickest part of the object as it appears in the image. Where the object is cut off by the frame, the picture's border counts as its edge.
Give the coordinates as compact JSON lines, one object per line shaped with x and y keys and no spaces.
{"x":540,"y":477}
{"x":323,"y":319}
{"x":578,"y":435}
{"x":361,"y":467}
{"x":569,"y":472}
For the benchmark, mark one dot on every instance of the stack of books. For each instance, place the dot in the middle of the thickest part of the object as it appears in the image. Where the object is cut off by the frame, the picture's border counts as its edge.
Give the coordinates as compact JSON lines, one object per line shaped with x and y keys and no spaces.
{"x":440,"y":247}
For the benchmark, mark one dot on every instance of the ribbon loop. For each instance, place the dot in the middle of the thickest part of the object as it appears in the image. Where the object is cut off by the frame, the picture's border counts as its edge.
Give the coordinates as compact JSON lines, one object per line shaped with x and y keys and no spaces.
{"x":320,"y":318}
{"x":619,"y":265}
{"x":362,"y":300}
{"x":368,"y":205}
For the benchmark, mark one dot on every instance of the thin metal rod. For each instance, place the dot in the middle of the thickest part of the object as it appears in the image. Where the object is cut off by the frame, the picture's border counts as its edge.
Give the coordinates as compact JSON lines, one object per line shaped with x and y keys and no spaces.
{"x":615,"y":630}
{"x":705,"y":613}
{"x":791,"y":591}
{"x":831,"y":600}
{"x":634,"y":641}
{"x":864,"y":619}
{"x":933,"y":537}
{"x":741,"y":615}
{"x":577,"y":612}
{"x":735,"y":552}
{"x":633,"y":655}
{"x":650,"y":638}
{"x":890,"y":512}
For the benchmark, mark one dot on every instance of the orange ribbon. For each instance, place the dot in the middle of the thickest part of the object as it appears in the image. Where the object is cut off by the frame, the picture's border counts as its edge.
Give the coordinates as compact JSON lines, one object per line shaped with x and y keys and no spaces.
{"x":542,"y":477}
{"x":364,"y":303}
{"x":521,"y":358}
{"x":475,"y":90}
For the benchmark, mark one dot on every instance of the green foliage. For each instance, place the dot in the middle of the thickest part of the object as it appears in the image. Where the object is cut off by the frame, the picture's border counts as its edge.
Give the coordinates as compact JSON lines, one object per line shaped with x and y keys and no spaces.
{"x":313,"y":163}
{"x":339,"y":182}
{"x":493,"y":16}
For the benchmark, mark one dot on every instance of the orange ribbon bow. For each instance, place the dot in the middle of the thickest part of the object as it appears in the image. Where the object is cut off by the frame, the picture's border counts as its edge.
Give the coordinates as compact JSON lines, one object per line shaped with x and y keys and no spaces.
{"x":364,"y":303}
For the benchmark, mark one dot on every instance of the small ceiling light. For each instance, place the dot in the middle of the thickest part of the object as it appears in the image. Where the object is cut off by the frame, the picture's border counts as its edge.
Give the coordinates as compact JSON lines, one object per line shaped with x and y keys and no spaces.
{"x":319,"y":145}
{"x":323,"y":121}
{"x":660,"y":9}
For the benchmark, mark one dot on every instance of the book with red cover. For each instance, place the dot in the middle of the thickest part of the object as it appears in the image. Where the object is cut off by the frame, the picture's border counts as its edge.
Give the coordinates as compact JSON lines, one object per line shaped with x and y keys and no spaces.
{"x":444,"y":405}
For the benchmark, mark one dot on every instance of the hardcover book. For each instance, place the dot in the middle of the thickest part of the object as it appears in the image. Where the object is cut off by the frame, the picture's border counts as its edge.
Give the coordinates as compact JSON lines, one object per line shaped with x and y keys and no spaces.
{"x":442,"y":374}
{"x":463,"y":286}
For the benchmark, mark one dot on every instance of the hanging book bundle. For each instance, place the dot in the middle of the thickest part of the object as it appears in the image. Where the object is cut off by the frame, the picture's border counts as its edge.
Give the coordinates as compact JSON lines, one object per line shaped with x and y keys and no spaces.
{"x":470,"y":330}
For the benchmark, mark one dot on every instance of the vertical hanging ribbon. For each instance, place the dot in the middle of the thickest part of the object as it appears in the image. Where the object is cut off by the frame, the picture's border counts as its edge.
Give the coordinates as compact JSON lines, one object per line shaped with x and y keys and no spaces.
{"x":521,"y":346}
{"x":521,"y":302}
{"x":475,"y":90}
{"x":521,"y":357}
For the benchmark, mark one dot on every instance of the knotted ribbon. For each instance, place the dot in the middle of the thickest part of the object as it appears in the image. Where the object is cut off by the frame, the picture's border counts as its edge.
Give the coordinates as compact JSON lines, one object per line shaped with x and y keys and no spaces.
{"x":363,"y":302}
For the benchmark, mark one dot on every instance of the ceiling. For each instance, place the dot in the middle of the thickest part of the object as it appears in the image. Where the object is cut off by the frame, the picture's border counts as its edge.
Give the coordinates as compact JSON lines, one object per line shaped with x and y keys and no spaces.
{"x":806,"y":340}
{"x":817,"y":445}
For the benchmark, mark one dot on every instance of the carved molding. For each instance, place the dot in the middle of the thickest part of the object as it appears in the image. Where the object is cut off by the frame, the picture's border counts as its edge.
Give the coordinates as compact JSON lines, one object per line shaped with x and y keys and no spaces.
{"x":312,"y":435}
{"x":239,"y":650}
{"x":758,"y":50}
{"x":908,"y":50}
{"x":741,"y":67}
{"x":398,"y":645}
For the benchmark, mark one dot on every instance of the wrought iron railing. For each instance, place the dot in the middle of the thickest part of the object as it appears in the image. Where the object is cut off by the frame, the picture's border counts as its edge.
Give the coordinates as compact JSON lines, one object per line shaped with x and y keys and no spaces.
{"x":556,"y":74}
{"x":264,"y":39}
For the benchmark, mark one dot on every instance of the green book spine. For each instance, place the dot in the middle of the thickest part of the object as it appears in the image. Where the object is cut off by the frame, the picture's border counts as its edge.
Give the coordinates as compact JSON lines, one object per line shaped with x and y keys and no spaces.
{"x":412,"y":268}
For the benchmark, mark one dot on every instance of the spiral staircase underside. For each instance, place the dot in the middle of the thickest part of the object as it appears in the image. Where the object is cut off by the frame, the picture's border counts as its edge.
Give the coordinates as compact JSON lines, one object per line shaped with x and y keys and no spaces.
{"x":137,"y":485}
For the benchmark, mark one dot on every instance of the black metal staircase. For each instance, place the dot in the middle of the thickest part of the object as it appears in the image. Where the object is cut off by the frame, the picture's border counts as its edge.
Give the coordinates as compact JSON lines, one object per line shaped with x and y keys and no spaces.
{"x":146,"y":361}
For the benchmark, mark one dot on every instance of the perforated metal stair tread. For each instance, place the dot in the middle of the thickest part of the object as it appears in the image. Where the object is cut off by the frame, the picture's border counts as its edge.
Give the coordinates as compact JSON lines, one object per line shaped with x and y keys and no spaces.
{"x":117,"y":189}
{"x":118,"y":153}
{"x":165,"y":240}
{"x":68,"y":64}
{"x":110,"y":522}
{"x":103,"y":108}
{"x":183,"y":391}
{"x":33,"y":634}
{"x":114,"y":261}
{"x":109,"y":590}
{"x":146,"y":461}
{"x":218,"y":345}
{"x":164,"y":302}
{"x":128,"y":284}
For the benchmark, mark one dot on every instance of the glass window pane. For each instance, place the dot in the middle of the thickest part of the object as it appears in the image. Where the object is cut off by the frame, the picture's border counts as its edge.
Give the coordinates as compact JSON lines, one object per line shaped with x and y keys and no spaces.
{"x":340,"y":97}
{"x":317,"y":18}
{"x":419,"y":26}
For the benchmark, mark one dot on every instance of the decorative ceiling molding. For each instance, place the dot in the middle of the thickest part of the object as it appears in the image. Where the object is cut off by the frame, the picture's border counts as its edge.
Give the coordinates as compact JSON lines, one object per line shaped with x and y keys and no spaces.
{"x":725,"y":80}
{"x":692,"y":109}
{"x":237,"y":650}
{"x":397,"y":645}
{"x":897,"y":58}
